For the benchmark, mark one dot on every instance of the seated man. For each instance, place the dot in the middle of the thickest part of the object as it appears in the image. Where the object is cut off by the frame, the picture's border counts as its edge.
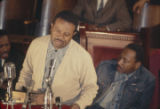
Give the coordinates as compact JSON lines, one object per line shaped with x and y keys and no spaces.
{"x":8,"y":54}
{"x":105,"y":15}
{"x":64,"y":63}
{"x":124,"y":84}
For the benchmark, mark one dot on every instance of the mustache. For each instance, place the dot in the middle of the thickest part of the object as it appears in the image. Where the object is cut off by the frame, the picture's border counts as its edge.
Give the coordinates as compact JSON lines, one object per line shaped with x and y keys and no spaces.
{"x":57,"y":39}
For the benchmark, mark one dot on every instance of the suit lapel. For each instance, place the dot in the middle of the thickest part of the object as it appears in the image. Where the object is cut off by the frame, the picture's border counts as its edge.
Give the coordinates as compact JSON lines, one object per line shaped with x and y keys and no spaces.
{"x":106,"y":8}
{"x":93,"y":6}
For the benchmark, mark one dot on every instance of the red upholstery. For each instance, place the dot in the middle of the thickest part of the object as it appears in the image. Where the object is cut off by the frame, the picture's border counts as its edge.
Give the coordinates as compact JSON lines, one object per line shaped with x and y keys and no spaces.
{"x":19,"y":106}
{"x":101,"y":53}
{"x":154,"y":66}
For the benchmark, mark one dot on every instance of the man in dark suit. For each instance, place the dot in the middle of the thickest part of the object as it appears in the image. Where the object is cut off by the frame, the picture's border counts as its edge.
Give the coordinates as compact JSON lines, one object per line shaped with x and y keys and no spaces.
{"x":108,"y":15}
{"x":8,"y":54}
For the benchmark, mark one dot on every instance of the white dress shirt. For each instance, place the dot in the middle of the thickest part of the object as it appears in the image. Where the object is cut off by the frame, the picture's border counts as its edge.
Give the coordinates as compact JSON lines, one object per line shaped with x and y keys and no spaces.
{"x":99,"y":2}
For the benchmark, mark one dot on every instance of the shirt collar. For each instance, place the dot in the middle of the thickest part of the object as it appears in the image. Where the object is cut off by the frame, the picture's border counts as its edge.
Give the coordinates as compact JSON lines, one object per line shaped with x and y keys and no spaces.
{"x":2,"y":61}
{"x":52,"y":48}
{"x":104,"y":3}
{"x":120,"y":76}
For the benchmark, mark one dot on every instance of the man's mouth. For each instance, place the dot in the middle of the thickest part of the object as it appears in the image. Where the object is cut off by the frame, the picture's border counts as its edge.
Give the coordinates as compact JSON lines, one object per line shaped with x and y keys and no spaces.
{"x":119,"y":68}
{"x":58,"y":40}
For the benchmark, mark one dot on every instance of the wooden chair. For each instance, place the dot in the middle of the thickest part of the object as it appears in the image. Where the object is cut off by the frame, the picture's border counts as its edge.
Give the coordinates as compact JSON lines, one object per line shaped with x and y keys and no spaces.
{"x":151,"y":43}
{"x":105,"y":45}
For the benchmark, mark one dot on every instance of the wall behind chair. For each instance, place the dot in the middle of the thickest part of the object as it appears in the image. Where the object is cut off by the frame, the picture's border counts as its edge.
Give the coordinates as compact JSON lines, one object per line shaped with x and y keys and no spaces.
{"x":22,"y":16}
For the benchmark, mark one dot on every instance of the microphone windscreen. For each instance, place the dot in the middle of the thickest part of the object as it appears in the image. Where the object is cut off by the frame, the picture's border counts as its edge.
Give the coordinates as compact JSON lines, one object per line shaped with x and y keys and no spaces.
{"x":9,"y":70}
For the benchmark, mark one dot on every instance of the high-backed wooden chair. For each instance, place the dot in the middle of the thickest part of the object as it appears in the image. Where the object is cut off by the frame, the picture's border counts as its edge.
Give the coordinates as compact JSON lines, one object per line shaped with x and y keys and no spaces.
{"x":151,"y":41}
{"x":148,"y":24}
{"x":105,"y":45}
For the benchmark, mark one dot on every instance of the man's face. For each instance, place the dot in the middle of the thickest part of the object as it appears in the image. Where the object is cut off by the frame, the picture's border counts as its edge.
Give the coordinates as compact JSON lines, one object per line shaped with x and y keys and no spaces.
{"x":127,"y":61}
{"x":4,"y":47}
{"x":61,"y":33}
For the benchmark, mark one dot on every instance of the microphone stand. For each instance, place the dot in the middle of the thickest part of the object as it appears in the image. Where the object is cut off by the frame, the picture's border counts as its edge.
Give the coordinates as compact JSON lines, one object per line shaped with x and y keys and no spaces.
{"x":9,"y":74}
{"x":58,"y":103}
{"x":48,"y":95}
{"x":27,"y":97}
{"x":48,"y":92}
{"x":9,"y":92}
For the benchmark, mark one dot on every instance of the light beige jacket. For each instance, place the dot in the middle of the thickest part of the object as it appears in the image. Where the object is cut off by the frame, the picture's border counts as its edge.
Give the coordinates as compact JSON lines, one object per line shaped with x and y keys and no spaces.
{"x":75,"y":75}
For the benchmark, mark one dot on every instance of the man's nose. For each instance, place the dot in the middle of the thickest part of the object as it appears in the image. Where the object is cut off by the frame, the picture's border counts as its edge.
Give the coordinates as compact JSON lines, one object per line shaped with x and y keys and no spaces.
{"x":61,"y":36}
{"x":119,"y":61}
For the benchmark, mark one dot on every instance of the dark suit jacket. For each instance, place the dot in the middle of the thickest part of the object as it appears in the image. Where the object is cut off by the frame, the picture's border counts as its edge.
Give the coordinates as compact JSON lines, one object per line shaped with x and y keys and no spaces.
{"x":115,"y":14}
{"x":17,"y":58}
{"x":138,"y":89}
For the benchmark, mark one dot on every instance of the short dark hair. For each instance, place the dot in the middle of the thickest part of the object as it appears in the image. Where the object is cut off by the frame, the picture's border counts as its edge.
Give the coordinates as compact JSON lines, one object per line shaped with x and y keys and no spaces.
{"x":3,"y":33}
{"x":67,"y":16}
{"x":139,"y":51}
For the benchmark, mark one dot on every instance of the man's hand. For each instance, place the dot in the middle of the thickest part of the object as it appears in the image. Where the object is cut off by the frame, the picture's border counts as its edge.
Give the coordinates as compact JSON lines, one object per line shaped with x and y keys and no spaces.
{"x":92,"y":27}
{"x":139,"y":5}
{"x":97,"y":28}
{"x":75,"y":106}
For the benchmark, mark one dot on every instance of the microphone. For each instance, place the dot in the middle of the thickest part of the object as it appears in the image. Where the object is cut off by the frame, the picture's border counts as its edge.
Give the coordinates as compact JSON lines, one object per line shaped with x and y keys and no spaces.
{"x":58,"y":102}
{"x":9,"y":71}
{"x":51,"y":68}
{"x":29,"y":89}
{"x":8,"y":75}
{"x":48,"y":91}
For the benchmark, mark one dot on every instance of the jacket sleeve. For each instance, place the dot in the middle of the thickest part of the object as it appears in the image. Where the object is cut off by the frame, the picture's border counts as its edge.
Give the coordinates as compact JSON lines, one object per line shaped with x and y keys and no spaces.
{"x":123,"y":20}
{"x":88,"y":81}
{"x":146,"y":97}
{"x":100,"y":70}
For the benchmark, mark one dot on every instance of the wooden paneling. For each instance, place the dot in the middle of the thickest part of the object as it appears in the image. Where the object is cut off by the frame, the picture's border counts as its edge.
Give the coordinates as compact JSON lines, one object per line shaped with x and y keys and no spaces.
{"x":20,"y":9}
